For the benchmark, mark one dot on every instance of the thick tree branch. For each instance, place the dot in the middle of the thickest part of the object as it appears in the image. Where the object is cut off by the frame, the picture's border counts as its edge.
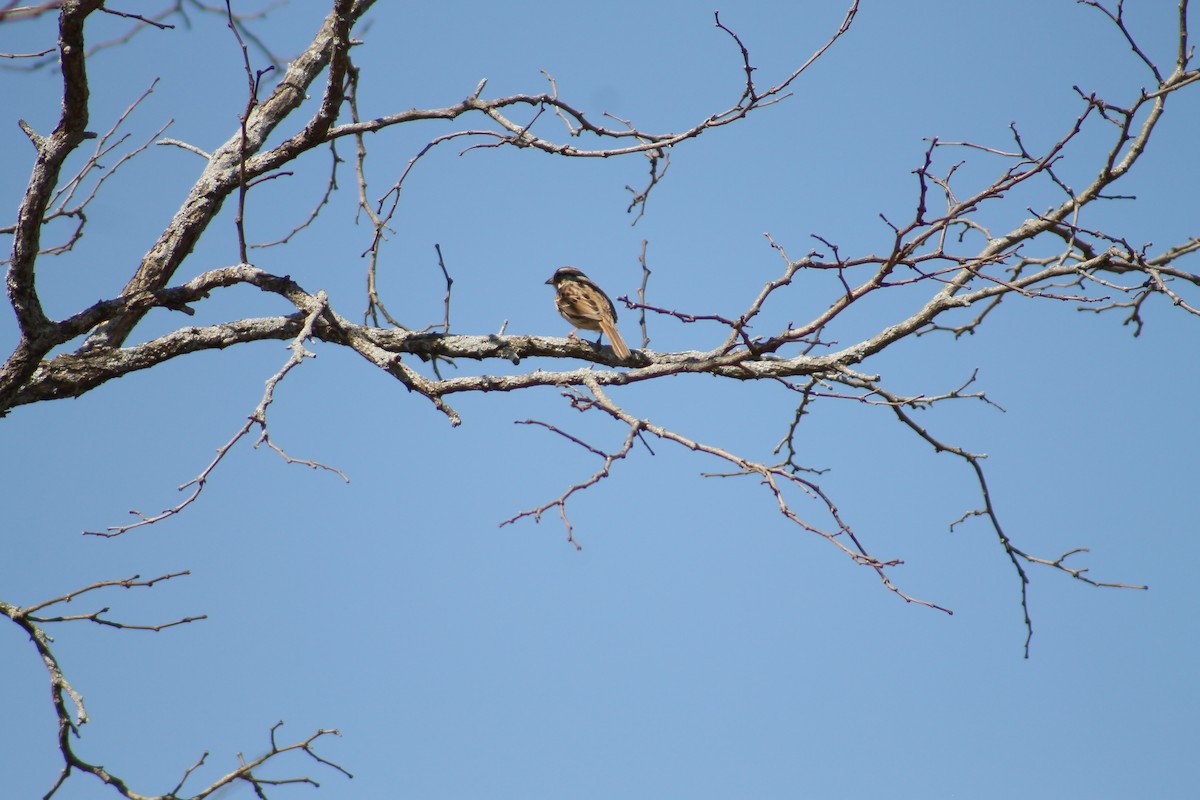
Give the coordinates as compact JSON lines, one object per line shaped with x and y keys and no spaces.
{"x":52,"y":152}
{"x":221,"y":177}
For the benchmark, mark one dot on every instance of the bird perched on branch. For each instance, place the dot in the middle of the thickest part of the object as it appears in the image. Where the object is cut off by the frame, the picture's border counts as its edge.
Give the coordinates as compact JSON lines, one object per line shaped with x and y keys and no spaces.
{"x":585,"y":305}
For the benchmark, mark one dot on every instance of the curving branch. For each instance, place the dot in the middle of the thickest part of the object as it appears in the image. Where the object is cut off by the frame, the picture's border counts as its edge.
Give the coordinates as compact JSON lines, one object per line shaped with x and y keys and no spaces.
{"x":66,"y":699}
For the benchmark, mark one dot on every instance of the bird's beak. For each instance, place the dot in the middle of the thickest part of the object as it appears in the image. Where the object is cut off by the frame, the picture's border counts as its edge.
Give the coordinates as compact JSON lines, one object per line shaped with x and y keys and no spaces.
{"x":551,"y":281}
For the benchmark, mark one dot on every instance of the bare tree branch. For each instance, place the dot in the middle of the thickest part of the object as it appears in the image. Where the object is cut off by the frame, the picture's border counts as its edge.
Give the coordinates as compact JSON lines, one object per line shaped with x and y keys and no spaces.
{"x":947,"y":263}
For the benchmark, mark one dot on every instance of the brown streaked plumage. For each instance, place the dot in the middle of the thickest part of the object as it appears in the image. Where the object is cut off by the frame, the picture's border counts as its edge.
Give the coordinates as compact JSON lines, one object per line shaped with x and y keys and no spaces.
{"x":585,"y":305}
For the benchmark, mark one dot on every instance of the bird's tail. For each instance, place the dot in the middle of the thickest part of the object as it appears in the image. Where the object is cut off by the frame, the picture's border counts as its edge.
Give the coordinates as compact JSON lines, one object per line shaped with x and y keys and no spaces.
{"x":614,"y":337}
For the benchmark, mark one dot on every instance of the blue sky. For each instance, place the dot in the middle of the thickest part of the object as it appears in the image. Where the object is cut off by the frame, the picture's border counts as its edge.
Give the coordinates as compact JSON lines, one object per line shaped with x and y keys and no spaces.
{"x":697,"y":646}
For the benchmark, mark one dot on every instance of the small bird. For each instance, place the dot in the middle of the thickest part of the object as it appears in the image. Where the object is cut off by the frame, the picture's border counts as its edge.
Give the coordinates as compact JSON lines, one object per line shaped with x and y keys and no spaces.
{"x":585,"y":305}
